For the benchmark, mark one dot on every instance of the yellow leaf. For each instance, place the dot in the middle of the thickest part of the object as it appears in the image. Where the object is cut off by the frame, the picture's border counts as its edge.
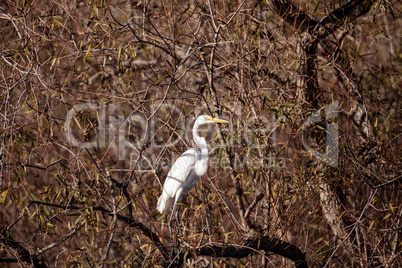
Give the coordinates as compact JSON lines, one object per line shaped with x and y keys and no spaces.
{"x":32,"y":215}
{"x":143,"y":246}
{"x":62,"y":98}
{"x":3,"y":196}
{"x":119,"y":54}
{"x":391,"y":208}
{"x":95,"y":9}
{"x":371,"y":225}
{"x":87,"y":54}
{"x":59,"y":23}
{"x":386,"y":217}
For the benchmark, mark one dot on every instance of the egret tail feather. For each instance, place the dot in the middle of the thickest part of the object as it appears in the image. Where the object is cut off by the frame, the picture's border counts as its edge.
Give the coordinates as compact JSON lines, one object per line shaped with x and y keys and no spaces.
{"x":164,"y":204}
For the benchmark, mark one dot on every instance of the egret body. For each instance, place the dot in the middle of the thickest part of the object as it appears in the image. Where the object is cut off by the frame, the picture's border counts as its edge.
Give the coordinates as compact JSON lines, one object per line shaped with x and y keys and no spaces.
{"x":185,"y":171}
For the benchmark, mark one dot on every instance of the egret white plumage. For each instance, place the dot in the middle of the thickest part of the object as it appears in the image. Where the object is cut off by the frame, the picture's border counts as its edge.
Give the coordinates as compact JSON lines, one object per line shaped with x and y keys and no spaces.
{"x":185,"y":171}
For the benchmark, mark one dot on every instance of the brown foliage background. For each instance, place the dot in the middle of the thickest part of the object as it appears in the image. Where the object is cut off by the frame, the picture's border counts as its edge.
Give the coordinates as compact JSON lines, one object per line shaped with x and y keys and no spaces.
{"x":145,"y":70}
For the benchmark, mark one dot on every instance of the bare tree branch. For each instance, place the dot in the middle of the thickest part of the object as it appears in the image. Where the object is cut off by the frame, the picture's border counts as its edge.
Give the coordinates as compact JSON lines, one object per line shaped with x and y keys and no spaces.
{"x":348,"y":12}
{"x":251,"y":246}
{"x":293,"y":15}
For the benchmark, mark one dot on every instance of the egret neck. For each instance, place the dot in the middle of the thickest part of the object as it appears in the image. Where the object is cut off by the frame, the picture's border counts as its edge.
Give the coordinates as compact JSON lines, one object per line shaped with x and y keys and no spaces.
{"x":201,"y":165}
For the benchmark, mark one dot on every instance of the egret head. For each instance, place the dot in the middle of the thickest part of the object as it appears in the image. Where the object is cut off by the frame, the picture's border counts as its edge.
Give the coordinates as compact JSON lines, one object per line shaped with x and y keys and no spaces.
{"x":206,"y":119}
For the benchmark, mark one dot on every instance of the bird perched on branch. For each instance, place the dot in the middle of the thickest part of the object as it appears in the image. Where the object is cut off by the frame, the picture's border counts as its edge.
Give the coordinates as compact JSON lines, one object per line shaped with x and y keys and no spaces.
{"x":185,"y":171}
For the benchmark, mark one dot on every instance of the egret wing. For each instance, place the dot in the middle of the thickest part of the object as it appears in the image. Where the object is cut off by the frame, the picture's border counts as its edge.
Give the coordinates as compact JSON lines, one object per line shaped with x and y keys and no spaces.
{"x":181,"y":175}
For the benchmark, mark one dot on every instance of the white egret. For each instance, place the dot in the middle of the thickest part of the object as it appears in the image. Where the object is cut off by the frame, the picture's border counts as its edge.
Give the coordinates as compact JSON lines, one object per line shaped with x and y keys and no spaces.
{"x":185,"y":171}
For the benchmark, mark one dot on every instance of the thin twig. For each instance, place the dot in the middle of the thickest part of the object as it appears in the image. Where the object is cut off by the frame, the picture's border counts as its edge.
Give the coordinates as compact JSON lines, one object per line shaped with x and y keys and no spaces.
{"x":251,"y":207}
{"x":226,"y":204}
{"x":357,"y":223}
{"x":128,"y":220}
{"x":109,"y":243}
{"x":69,"y":235}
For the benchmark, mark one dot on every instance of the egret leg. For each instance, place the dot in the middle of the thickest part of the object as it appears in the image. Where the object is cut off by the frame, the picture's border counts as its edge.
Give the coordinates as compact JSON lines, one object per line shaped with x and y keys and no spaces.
{"x":177,"y":220}
{"x":170,"y":219}
{"x":172,"y":245}
{"x":178,"y":198}
{"x":170,"y":228}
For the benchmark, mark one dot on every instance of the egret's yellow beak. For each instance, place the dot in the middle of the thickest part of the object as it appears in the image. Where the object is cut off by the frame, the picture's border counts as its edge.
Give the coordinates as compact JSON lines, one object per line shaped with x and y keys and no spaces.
{"x":217,"y":120}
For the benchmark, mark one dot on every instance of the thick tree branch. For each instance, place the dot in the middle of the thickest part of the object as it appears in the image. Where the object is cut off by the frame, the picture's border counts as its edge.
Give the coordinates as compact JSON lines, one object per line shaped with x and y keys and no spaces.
{"x":313,"y":32}
{"x":293,"y":15}
{"x":251,"y":246}
{"x":348,"y":12}
{"x":308,"y":89}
